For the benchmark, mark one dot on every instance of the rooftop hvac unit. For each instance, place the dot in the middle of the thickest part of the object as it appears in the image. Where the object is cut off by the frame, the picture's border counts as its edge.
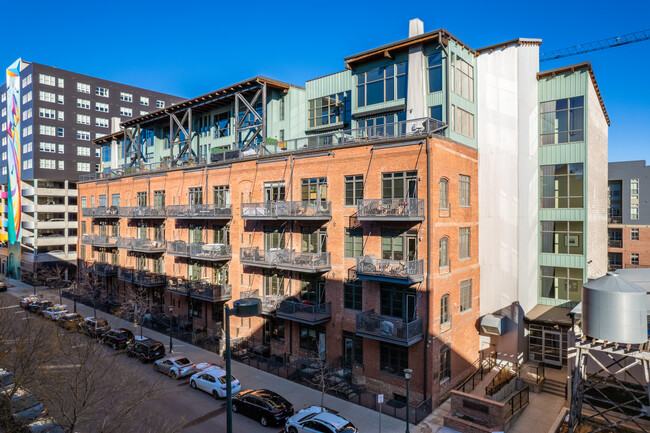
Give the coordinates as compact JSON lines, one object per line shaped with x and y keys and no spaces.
{"x":492,"y":324}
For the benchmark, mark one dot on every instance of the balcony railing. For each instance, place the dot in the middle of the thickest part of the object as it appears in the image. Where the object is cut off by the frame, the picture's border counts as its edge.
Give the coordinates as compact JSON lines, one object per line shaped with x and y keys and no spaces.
{"x":142,"y":278}
{"x":100,"y":212}
{"x":370,"y":325}
{"x":615,"y":219}
{"x":286,"y":259}
{"x":141,"y":245}
{"x":100,"y":240}
{"x":200,"y":289}
{"x":104,"y":269}
{"x":303,"y":312}
{"x":178,"y":285}
{"x":200,"y":211}
{"x":615,"y":243}
{"x":212,"y":252}
{"x":391,"y":209}
{"x":87,"y":239}
{"x":142,"y":212}
{"x":287,"y":210}
{"x":396,"y":271}
{"x":270,"y":303}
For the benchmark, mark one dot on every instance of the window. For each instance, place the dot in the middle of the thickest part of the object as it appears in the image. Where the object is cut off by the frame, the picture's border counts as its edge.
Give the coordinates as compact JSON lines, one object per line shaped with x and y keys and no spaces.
{"x":83,"y":151}
{"x":27,"y":147}
{"x":142,"y":198}
{"x":46,"y":130}
{"x":27,"y":164}
{"x":144,"y":100}
{"x":60,"y":83}
{"x":562,"y":186}
{"x":27,"y":97}
{"x":444,"y":193}
{"x":26,"y":82}
{"x":353,"y":189}
{"x":83,"y":103}
{"x":399,"y":245}
{"x":282,"y":108}
{"x":83,"y":88}
{"x":61,"y":165}
{"x":47,"y":147}
{"x":329,"y":110}
{"x":61,"y":115}
{"x":160,"y":104}
{"x":634,"y":234}
{"x":352,"y":295}
{"x":382,"y":84}
{"x":101,"y":91}
{"x":83,"y":135}
{"x":352,"y":349}
{"x":60,"y":99}
{"x":274,"y":191}
{"x":463,"y":190}
{"x":393,"y":359}
{"x":61,"y":148}
{"x":313,"y":240}
{"x":434,"y":68}
{"x":463,"y":243}
{"x":462,"y":74}
{"x":196,"y":195}
{"x":561,"y":283}
{"x":83,"y":119}
{"x":634,"y":259}
{"x":159,"y":199}
{"x":221,"y":195}
{"x":634,"y":211}
{"x":444,"y":310}
{"x":273,"y":238}
{"x":102,"y":123}
{"x":83,"y":166}
{"x":4,"y":156}
{"x":314,"y":190}
{"x":47,"y":163}
{"x":124,"y":111}
{"x":27,"y":130}
{"x":48,"y":80}
{"x":562,"y":237}
{"x":310,"y":338}
{"x":445,"y":363}
{"x":60,"y":132}
{"x":465,"y":295}
{"x":126,"y":97}
{"x":399,"y":185}
{"x":443,"y":253}
{"x":222,"y":125}
{"x":47,"y":96}
{"x":101,"y":107}
{"x":353,"y":243}
{"x":462,"y":122}
{"x":142,"y":112}
{"x":562,"y":120}
{"x":397,"y":302}
{"x":46,"y":113}
{"x":383,"y":125}
{"x":115,"y":200}
{"x":634,"y":189}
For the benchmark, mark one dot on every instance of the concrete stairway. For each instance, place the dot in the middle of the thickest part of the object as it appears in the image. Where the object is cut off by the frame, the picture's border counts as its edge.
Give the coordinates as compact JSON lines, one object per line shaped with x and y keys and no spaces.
{"x":555,"y":387}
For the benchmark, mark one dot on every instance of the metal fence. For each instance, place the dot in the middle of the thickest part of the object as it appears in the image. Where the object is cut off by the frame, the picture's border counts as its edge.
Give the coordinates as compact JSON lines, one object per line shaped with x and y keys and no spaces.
{"x":402,"y":269}
{"x":390,"y":208}
{"x":305,"y":312}
{"x":200,"y":211}
{"x":386,"y":328}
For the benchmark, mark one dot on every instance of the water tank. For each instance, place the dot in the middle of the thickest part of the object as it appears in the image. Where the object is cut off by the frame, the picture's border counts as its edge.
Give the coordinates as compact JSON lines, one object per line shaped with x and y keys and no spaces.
{"x":614,"y":309}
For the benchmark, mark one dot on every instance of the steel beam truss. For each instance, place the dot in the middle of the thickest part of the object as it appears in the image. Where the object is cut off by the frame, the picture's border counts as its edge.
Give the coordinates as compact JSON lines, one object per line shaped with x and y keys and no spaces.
{"x":133,"y":147}
{"x":180,"y":135}
{"x":600,"y":397}
{"x":251,"y":128}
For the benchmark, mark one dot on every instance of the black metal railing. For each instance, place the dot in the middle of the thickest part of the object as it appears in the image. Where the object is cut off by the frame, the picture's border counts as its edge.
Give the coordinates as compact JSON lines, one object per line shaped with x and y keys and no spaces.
{"x":143,"y":245}
{"x":397,"y":331}
{"x":407,"y":270}
{"x":286,"y":259}
{"x":615,"y":219}
{"x":483,"y":368}
{"x":307,"y":209}
{"x":615,"y":243}
{"x":100,"y":212}
{"x":516,"y":402}
{"x":207,"y":211}
{"x":104,"y":269}
{"x":502,"y":378}
{"x":142,"y":212}
{"x":305,"y":312}
{"x":393,"y":209}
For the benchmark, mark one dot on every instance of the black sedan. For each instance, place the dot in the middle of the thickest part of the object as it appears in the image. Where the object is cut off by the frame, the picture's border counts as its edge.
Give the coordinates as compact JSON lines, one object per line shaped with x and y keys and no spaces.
{"x":263,"y":405}
{"x":118,"y":338}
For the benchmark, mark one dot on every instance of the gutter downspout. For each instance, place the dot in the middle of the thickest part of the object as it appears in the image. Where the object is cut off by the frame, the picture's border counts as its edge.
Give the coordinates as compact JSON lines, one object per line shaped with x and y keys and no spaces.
{"x":428,"y":284}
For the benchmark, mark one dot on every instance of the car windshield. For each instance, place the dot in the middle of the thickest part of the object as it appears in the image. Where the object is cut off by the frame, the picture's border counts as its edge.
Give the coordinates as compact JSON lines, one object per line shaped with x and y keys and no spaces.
{"x":348,"y":428}
{"x":183,"y":361}
{"x":222,"y":379}
{"x":275,"y":400}
{"x":24,"y":402}
{"x":102,"y":323}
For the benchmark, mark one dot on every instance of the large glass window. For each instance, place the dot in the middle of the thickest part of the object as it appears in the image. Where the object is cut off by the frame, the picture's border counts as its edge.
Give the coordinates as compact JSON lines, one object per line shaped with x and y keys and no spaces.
{"x":353,"y":189}
{"x":464,"y":190}
{"x":274,"y":191}
{"x":434,"y":68}
{"x":444,"y":253}
{"x":464,"y":243}
{"x":383,"y":126}
{"x":445,"y":363}
{"x":465,"y":295}
{"x":314,"y":190}
{"x":444,"y":310}
{"x":562,"y":120}
{"x":382,"y":84}
{"x":397,"y":302}
{"x":352,"y":349}
{"x":273,"y":284}
{"x":462,"y":121}
{"x":562,"y":237}
{"x":562,"y":186}
{"x":313,"y":240}
{"x":221,"y":195}
{"x":463,"y":78}
{"x":196,"y":195}
{"x":561,"y":283}
{"x":403,"y":184}
{"x":311,"y":337}
{"x":353,"y":295}
{"x":142,"y":198}
{"x":353,"y":243}
{"x":222,"y":125}
{"x":398,"y":245}
{"x":159,"y":199}
{"x":329,"y":110}
{"x":273,"y":238}
{"x":393,"y":359}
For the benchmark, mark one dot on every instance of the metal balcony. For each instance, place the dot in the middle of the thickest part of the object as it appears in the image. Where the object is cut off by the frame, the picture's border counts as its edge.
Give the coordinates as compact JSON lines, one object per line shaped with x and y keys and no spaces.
{"x":390,"y":271}
{"x":286,"y":259}
{"x":177,"y":285}
{"x":141,"y":245}
{"x":200,"y":211}
{"x":100,"y":212}
{"x":390,"y":330}
{"x":287,"y":210}
{"x":87,"y":240}
{"x":104,"y":269}
{"x":615,"y":243}
{"x":142,"y":212}
{"x":270,"y":303}
{"x":104,"y":241}
{"x":141,"y":278}
{"x":390,"y":209}
{"x":310,"y":314}
{"x":615,"y":219}
{"x":210,"y":252}
{"x":203,"y":290}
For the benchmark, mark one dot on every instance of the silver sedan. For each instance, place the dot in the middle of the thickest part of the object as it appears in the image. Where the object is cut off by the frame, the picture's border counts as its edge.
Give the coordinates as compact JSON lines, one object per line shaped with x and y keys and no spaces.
{"x":175,"y":366}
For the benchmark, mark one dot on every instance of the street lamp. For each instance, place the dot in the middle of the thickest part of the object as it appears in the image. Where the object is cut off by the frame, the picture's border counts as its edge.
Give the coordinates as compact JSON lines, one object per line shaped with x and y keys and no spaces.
{"x":171,"y":343}
{"x":407,"y":376}
{"x":247,"y":307}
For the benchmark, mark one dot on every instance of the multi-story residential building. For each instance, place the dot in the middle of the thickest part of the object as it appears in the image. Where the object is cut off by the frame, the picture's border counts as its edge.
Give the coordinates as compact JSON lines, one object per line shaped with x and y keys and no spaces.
{"x":628,"y":216}
{"x":60,"y":113}
{"x":352,"y":207}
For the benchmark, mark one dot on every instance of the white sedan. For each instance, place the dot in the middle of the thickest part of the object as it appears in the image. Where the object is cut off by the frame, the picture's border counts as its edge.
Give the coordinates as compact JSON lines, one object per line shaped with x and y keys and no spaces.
{"x":213,"y":381}
{"x":318,"y":419}
{"x":55,"y":311}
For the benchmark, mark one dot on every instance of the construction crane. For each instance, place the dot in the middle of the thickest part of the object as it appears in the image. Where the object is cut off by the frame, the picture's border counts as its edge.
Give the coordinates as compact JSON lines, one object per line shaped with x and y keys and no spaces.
{"x":603,"y":44}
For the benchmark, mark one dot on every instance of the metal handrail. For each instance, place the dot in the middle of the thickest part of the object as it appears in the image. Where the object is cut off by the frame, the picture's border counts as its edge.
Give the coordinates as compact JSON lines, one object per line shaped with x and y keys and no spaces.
{"x":390,"y":328}
{"x":284,"y":258}
{"x":199,"y":211}
{"x":141,"y":244}
{"x":403,"y":269}
{"x":307,"y":311}
{"x":141,"y":212}
{"x":516,"y":402}
{"x":502,"y":378}
{"x":391,"y":207}
{"x":287,"y":209}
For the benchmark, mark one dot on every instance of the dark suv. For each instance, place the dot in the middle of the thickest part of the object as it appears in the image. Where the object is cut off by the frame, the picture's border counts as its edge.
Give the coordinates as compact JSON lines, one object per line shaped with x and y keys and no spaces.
{"x":40,"y":305}
{"x":118,"y":338}
{"x":94,"y":326}
{"x":146,"y":350}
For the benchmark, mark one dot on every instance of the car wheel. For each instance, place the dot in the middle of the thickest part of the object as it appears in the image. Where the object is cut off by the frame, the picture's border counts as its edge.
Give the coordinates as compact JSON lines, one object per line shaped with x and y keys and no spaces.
{"x":193,"y":384}
{"x":234,"y":407}
{"x":215,"y":395}
{"x":172,"y":374}
{"x":264,"y":421}
{"x":293,"y":430}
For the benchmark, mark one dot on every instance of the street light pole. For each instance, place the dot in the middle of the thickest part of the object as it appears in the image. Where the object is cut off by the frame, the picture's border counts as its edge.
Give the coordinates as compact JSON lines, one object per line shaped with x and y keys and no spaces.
{"x":171,"y":342}
{"x":226,"y":316}
{"x":407,"y":376}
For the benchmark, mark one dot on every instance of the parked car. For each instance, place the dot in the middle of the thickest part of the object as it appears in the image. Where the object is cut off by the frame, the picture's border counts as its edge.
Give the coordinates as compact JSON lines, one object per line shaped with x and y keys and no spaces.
{"x":175,"y":366}
{"x":44,"y":425}
{"x":213,"y":381}
{"x":118,"y":338}
{"x":146,"y":349}
{"x":26,"y":301}
{"x":318,"y":419}
{"x":3,"y":286}
{"x":268,"y":407}
{"x":70,"y":321}
{"x":55,"y":312}
{"x":24,"y":406}
{"x":94,"y":326}
{"x":39,"y":305}
{"x":56,"y":220}
{"x":7,"y":379}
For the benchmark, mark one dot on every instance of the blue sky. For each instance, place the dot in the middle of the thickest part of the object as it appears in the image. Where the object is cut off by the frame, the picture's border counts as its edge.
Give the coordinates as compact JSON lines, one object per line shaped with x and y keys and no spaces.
{"x":192,"y":47}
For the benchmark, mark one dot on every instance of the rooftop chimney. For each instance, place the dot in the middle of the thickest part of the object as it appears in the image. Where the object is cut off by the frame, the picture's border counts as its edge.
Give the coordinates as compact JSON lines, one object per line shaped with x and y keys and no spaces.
{"x":416,"y":27}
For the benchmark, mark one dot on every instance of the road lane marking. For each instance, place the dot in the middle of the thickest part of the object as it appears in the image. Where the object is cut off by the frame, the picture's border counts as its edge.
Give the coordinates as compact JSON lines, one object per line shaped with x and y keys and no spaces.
{"x":9,"y":306}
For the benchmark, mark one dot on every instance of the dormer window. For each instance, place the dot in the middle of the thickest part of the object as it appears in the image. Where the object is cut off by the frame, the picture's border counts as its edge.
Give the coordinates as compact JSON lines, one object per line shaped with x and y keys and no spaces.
{"x":382,"y":84}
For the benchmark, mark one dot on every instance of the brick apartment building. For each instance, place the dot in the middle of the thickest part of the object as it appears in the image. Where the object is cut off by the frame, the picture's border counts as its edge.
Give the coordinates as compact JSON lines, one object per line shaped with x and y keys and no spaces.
{"x":628,"y":226}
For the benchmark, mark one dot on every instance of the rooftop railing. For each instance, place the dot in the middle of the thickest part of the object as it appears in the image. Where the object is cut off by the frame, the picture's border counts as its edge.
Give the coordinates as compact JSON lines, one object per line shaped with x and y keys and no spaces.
{"x":286,"y":259}
{"x":298,"y":210}
{"x":391,"y":209}
{"x":142,"y":245}
{"x":142,"y":212}
{"x":399,"y":271}
{"x":305,"y":312}
{"x":402,"y":129}
{"x":202,"y":211}
{"x":391,"y":330}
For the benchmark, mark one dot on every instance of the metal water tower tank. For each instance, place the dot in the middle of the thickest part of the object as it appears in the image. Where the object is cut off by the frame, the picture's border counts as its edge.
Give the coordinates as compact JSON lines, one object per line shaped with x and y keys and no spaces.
{"x":614,"y":309}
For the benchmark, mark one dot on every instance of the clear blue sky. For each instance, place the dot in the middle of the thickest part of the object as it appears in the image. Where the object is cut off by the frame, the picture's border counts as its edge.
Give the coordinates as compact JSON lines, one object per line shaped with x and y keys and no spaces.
{"x":190,"y":47}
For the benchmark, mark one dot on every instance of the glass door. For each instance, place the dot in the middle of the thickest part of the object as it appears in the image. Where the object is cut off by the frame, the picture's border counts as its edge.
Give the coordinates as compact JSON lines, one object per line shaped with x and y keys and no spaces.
{"x":553,"y":348}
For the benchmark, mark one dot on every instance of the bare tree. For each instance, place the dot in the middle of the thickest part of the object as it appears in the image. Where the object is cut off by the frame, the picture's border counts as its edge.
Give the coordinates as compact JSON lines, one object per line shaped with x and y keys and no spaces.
{"x":135,"y":305}
{"x":54,"y":277}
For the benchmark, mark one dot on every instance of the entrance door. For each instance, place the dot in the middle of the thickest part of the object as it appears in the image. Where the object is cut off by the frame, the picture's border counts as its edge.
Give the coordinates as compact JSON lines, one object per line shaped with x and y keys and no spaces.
{"x":553,"y":348}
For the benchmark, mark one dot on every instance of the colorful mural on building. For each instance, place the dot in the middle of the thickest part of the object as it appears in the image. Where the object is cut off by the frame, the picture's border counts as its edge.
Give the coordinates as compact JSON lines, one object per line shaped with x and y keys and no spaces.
{"x":13,"y":134}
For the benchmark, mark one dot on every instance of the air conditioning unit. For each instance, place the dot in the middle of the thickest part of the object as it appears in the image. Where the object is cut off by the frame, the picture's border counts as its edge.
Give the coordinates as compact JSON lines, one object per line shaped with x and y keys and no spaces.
{"x":492,"y":324}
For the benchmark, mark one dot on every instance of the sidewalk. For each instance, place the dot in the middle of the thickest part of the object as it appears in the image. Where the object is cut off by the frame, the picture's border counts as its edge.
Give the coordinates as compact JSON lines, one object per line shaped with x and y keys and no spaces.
{"x":365,"y":419}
